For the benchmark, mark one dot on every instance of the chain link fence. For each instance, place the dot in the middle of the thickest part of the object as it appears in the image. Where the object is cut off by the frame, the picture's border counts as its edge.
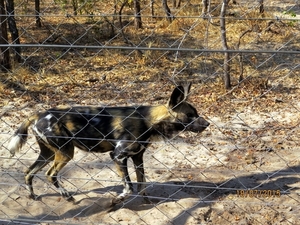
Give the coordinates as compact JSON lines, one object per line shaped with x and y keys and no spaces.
{"x":243,"y":169}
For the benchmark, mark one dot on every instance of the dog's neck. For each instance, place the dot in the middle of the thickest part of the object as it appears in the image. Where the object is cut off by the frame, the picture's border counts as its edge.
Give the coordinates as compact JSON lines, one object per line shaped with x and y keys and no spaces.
{"x":159,"y":113}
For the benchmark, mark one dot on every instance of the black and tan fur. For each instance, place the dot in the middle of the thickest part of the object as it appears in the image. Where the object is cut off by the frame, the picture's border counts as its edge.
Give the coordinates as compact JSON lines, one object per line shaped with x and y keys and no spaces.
{"x":125,"y":132}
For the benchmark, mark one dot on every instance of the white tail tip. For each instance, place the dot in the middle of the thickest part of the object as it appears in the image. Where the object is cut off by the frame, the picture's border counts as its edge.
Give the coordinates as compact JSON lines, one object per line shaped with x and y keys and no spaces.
{"x":14,"y":145}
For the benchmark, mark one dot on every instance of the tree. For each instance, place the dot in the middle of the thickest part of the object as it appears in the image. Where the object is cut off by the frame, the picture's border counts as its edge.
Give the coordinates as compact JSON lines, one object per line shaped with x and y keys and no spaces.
{"x":205,"y":7}
{"x":170,"y":16}
{"x":138,"y":18}
{"x":10,"y":8}
{"x":37,"y":13}
{"x":261,"y":6}
{"x":5,"y":60}
{"x":226,"y":66}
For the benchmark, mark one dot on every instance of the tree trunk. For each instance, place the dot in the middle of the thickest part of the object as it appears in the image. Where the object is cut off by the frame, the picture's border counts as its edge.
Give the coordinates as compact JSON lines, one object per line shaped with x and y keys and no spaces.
{"x":205,"y":6}
{"x":152,"y":8}
{"x":226,"y":65}
{"x":75,"y":7}
{"x":261,"y":6}
{"x":120,"y":20}
{"x":10,"y":7}
{"x":37,"y":14}
{"x":138,"y":19}
{"x":167,"y":10}
{"x":206,"y":9}
{"x":178,"y":4}
{"x":4,"y":60}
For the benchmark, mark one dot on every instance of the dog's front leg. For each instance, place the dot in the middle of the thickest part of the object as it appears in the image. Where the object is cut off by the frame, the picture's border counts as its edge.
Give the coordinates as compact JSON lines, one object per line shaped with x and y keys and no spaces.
{"x":121,"y":164}
{"x":140,"y":175}
{"x":128,"y":187}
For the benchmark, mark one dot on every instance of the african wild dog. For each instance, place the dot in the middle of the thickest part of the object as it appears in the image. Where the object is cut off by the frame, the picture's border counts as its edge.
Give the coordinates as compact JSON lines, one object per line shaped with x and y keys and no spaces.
{"x":125,"y":132}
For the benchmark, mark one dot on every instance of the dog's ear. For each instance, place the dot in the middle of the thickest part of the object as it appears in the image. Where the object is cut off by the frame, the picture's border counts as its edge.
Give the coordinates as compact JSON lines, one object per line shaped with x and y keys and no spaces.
{"x":187,"y":87}
{"x":179,"y":94}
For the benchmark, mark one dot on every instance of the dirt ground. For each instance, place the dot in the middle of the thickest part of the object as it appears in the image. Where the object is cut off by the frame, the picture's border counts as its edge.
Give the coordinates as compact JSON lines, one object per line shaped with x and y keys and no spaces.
{"x":244,"y":169}
{"x":193,"y":179}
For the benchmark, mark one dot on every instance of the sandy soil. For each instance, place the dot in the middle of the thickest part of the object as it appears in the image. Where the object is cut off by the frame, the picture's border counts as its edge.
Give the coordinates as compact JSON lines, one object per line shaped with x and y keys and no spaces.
{"x":193,"y":179}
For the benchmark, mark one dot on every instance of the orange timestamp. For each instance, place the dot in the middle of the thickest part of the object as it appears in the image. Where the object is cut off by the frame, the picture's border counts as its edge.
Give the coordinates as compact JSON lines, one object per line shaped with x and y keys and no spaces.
{"x":257,"y":193}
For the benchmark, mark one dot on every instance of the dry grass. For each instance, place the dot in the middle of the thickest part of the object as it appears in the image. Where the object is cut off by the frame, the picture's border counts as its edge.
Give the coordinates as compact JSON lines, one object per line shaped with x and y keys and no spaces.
{"x":62,"y":76}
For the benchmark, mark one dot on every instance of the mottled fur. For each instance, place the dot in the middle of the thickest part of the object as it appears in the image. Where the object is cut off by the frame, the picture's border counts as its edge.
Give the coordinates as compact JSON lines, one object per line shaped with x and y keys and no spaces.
{"x":125,"y":132}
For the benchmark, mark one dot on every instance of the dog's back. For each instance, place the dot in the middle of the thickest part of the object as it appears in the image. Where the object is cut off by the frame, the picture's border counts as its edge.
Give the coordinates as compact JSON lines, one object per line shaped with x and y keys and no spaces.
{"x":95,"y":128}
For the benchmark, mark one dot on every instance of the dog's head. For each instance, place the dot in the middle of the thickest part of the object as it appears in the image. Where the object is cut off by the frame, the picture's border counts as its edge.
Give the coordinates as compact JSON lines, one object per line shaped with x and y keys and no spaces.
{"x":185,"y":115}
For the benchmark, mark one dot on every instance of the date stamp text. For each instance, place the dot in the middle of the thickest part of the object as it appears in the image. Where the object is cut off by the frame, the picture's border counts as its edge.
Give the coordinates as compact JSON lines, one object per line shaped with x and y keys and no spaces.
{"x":256,"y":193}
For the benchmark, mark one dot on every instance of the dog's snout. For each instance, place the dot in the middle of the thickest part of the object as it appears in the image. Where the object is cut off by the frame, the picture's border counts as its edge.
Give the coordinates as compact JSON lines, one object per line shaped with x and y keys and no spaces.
{"x":203,"y":122}
{"x":206,"y":124}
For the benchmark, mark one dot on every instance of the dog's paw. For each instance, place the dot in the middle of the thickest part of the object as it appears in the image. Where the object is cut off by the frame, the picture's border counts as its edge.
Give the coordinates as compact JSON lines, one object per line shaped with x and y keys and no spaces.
{"x":118,"y":200}
{"x":70,"y":199}
{"x":147,"y":200}
{"x":34,"y":197}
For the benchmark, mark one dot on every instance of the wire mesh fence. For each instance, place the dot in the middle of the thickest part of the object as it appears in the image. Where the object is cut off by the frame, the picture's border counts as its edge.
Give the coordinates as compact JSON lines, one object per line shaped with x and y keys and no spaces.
{"x":242,"y":169}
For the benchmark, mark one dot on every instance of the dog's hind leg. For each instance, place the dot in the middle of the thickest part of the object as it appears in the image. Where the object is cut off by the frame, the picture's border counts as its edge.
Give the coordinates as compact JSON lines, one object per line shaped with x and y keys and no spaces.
{"x":61,"y":158}
{"x":46,"y":156}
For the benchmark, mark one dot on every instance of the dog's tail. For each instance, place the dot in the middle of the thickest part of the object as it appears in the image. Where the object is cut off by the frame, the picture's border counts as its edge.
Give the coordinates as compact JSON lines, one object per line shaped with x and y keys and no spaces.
{"x":20,"y":136}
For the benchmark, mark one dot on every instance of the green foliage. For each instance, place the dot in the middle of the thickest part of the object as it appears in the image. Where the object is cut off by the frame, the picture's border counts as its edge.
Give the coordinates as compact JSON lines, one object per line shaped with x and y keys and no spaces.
{"x":79,"y":6}
{"x":291,"y":14}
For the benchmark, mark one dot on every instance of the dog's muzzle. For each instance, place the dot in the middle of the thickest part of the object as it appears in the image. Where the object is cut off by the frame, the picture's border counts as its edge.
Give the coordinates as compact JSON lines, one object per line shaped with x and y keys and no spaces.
{"x":198,"y":125}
